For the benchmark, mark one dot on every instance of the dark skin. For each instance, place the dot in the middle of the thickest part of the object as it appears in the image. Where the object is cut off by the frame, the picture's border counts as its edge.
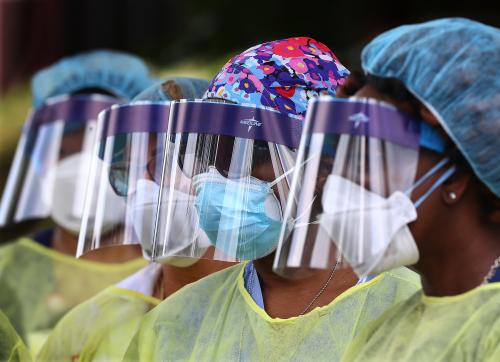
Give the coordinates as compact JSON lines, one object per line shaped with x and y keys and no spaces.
{"x":283,"y":298}
{"x":457,"y":240}
{"x":65,"y":242}
{"x":174,"y":278}
{"x":286,"y":298}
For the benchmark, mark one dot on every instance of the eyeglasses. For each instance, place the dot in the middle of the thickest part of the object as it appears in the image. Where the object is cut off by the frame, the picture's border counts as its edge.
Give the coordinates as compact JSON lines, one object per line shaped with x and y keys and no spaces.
{"x":119,"y":173}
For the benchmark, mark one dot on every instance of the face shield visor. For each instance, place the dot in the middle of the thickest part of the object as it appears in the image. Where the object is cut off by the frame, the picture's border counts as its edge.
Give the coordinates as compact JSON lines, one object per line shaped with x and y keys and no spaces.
{"x":225,"y":181}
{"x":350,"y":197}
{"x":123,"y":183}
{"x":48,"y":173}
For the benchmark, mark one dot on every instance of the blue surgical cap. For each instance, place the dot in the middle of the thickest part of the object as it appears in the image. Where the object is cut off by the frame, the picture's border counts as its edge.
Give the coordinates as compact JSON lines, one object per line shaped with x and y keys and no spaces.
{"x":174,"y":88}
{"x":121,"y":74}
{"x":453,"y":66}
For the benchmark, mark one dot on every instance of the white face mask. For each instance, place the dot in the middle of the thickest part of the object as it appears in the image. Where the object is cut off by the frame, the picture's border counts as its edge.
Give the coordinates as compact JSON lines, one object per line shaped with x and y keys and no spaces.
{"x":185,"y":220}
{"x":70,"y":192}
{"x":371,"y":231}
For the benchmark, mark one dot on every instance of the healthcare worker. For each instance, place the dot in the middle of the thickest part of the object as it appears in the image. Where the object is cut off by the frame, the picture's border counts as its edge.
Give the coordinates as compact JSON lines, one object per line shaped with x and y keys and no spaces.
{"x":445,"y":75}
{"x":233,"y":156}
{"x":102,"y":327}
{"x":12,"y":348}
{"x":39,"y":276}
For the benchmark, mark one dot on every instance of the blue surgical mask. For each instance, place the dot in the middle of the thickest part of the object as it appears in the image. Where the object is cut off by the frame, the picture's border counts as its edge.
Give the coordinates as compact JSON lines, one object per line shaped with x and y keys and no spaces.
{"x":242,"y":217}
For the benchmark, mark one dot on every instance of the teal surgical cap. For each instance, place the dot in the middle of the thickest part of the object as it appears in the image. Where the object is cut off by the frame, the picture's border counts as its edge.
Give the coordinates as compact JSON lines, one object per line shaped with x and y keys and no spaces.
{"x":121,"y":74}
{"x":174,"y":88}
{"x":453,"y":66}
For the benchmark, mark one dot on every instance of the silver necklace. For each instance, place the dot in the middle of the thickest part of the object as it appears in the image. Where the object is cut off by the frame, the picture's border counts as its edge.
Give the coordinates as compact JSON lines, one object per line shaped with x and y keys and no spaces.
{"x":323,"y":288}
{"x":492,"y":271}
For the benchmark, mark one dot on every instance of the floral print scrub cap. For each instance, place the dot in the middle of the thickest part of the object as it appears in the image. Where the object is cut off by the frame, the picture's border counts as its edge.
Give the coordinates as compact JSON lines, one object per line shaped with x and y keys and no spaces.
{"x":281,"y":74}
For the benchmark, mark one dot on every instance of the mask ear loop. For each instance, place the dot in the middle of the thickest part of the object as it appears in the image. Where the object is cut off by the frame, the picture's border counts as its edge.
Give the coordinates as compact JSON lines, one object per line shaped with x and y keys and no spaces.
{"x":428,"y":174}
{"x":445,"y":176}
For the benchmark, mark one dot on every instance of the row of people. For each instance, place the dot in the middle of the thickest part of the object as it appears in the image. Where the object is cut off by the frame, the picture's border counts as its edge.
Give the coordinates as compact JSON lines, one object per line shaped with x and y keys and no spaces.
{"x":278,"y":206}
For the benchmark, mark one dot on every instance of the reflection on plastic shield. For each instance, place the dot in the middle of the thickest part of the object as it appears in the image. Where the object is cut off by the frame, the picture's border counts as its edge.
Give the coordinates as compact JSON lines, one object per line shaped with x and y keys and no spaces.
{"x":127,"y":166}
{"x":365,"y":118}
{"x":236,"y":121}
{"x":78,"y":108}
{"x":132,"y":118}
{"x":235,"y":162}
{"x":51,"y":133}
{"x":347,"y":198}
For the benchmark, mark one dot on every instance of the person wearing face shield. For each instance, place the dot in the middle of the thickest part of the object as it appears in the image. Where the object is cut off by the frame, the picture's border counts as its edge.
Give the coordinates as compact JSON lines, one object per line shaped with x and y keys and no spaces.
{"x":47,"y":180}
{"x":444,"y":73}
{"x":234,"y":155}
{"x":102,"y":327}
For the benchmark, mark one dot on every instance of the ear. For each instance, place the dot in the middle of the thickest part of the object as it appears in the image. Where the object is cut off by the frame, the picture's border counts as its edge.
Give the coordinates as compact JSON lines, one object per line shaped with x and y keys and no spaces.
{"x":427,"y":116}
{"x":455,"y":187}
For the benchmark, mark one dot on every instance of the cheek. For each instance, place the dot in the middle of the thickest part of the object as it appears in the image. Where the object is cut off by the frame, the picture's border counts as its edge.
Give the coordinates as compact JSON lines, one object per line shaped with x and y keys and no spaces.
{"x":432,"y":210}
{"x":429,"y":219}
{"x":264,"y":172}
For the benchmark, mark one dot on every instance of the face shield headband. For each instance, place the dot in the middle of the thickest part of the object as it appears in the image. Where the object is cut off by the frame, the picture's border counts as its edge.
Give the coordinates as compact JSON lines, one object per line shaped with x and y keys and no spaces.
{"x":50,"y":155}
{"x":226,"y":178}
{"x":128,"y":155}
{"x":350,"y":195}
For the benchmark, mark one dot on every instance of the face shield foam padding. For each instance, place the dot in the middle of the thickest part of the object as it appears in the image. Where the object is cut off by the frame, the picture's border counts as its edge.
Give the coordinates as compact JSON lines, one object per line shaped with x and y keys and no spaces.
{"x":451,"y":66}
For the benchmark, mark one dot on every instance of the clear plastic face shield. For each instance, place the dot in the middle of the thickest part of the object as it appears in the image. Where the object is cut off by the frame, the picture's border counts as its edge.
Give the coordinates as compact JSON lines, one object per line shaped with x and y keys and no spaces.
{"x":225,"y":181}
{"x":350,"y":197}
{"x":124,"y":178}
{"x":51,"y":163}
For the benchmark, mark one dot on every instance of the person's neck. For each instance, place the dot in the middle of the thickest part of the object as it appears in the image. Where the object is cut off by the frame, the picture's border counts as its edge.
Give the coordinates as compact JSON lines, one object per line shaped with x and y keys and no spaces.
{"x":65,"y":242}
{"x":460,"y":264}
{"x":174,"y":278}
{"x":286,"y":298}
